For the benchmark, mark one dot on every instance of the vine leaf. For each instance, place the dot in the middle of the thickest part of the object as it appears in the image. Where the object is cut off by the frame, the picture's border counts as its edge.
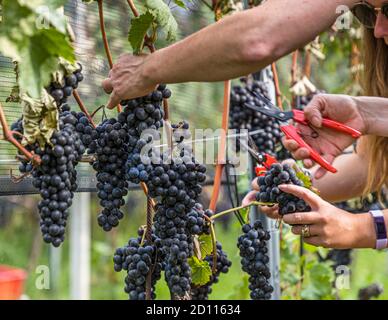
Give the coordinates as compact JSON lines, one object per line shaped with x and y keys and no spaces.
{"x":40,"y":118}
{"x":200,"y":271}
{"x":180,"y":3}
{"x":36,"y":40}
{"x":138,"y":30}
{"x":163,"y":17}
{"x":304,"y":178}
{"x":245,"y":213}
{"x":206,"y":245}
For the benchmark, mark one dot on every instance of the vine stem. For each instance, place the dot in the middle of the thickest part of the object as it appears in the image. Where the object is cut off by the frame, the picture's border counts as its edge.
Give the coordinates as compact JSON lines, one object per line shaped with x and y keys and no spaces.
{"x":83,"y":108}
{"x":105,"y":39}
{"x":35,"y":159}
{"x":95,"y":111}
{"x":222,"y":148}
{"x":133,"y":8}
{"x":253,"y":203}
{"x":103,"y":32}
{"x":277,"y":86}
{"x":145,"y":189}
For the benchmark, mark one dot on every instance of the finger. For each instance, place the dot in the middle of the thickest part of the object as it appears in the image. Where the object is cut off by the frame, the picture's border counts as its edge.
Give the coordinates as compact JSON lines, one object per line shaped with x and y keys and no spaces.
{"x":290,"y":145}
{"x":302,"y":193}
{"x":301,"y":154}
{"x":107,"y":85}
{"x":271,"y":212}
{"x":255,"y":184}
{"x":251,"y":196}
{"x":301,"y":218}
{"x":313,"y":111}
{"x":314,"y":230}
{"x":320,"y":173}
{"x":314,"y":241}
{"x":308,"y":163}
{"x":290,"y":162}
{"x":114,"y":100}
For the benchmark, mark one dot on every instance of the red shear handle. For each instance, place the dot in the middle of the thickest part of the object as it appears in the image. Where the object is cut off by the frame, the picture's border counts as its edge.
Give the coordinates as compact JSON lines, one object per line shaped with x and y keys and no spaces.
{"x":299,"y":117}
{"x":292,"y":133}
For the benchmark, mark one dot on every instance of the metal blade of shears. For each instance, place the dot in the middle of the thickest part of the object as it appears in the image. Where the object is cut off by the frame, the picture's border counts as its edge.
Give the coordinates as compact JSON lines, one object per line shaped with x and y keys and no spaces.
{"x":272,"y":112}
{"x":252,"y":151}
{"x":263,"y":99}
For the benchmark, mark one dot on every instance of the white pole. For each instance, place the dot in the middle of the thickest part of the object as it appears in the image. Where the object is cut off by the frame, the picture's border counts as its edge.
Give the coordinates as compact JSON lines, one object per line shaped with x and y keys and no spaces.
{"x":80,"y":247}
{"x":269,"y":224}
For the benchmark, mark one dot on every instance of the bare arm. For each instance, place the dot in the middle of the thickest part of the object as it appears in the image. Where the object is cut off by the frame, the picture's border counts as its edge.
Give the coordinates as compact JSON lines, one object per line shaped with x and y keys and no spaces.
{"x":234,"y":46}
{"x":375,"y":112}
{"x":347,"y":183}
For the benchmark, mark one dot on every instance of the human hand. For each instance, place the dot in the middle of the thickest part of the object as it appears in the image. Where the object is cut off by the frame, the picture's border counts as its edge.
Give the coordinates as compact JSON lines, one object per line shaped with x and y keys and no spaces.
{"x":329,"y":226}
{"x":330,"y":143}
{"x":271,"y":211}
{"x":127,"y":79}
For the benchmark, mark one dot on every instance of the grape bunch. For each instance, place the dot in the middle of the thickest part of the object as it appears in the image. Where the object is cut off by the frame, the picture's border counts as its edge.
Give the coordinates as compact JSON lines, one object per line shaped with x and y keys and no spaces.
{"x":138,"y":260}
{"x":174,"y":181}
{"x":242,"y":117}
{"x":254,"y":260}
{"x":60,"y":91}
{"x":145,"y":112}
{"x":270,"y":192}
{"x":222,"y":266}
{"x":56,"y":176}
{"x":111,"y":151}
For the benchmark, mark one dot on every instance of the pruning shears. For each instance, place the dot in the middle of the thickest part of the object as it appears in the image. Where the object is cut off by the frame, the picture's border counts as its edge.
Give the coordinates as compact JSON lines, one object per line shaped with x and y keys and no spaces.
{"x":264,"y":160}
{"x":292,"y":132}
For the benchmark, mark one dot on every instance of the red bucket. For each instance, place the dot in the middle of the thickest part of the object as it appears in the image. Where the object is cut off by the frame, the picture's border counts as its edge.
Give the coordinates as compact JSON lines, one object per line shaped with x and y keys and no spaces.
{"x":11,"y":282}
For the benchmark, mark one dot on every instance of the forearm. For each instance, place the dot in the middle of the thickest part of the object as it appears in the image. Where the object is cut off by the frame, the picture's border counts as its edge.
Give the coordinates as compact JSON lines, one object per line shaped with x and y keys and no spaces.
{"x":347,"y":183}
{"x":374,"y":111}
{"x":364,"y":231}
{"x":242,"y":43}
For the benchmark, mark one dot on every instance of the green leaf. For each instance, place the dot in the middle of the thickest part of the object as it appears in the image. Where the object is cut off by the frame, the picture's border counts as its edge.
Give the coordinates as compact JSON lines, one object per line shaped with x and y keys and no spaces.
{"x":180,"y":3}
{"x":200,"y":271}
{"x":245,"y":214}
{"x":163,"y":18}
{"x":36,"y":47}
{"x":304,"y":178}
{"x":138,"y":30}
{"x":206,"y":245}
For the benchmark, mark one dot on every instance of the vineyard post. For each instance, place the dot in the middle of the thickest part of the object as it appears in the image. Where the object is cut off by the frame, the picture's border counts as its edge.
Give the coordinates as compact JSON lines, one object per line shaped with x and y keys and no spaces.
{"x":268,"y":224}
{"x":80,"y":238}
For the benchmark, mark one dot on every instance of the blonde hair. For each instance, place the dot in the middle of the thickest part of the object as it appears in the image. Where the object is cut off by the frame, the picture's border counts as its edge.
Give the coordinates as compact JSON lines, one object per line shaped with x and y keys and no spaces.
{"x":375,"y":83}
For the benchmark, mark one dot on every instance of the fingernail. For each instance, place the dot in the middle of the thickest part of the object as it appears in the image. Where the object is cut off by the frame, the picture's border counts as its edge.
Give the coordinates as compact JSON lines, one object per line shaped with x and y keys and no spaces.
{"x":283,"y":187}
